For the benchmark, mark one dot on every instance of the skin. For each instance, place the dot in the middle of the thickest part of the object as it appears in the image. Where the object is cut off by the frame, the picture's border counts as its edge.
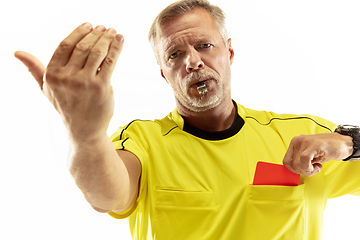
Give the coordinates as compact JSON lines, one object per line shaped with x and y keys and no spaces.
{"x":192,"y":44}
{"x":182,"y":52}
{"x":83,"y":96}
{"x":306,"y":152}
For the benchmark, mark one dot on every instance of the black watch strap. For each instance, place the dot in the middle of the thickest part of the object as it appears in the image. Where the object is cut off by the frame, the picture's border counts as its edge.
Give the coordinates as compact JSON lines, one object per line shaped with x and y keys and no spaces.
{"x":354,"y":132}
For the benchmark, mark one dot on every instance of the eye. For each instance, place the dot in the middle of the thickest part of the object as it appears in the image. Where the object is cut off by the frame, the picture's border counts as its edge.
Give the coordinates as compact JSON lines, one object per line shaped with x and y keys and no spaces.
{"x":205,"y":45}
{"x":174,"y":55}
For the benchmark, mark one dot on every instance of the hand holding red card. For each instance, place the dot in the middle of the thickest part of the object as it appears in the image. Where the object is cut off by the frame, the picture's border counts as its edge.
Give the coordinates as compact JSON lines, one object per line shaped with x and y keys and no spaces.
{"x":274,"y":174}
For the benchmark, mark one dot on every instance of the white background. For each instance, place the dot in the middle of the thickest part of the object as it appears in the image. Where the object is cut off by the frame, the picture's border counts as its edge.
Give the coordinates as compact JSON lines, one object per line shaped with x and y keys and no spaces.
{"x":290,"y":57}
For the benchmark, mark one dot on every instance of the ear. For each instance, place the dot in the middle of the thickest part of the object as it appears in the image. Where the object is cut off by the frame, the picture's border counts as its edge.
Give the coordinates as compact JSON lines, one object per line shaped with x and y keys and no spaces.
{"x":162,"y":74}
{"x":231,"y":51}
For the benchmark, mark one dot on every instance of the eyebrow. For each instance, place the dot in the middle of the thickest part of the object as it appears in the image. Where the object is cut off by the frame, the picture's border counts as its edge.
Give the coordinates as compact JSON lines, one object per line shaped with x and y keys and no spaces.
{"x":172,"y":48}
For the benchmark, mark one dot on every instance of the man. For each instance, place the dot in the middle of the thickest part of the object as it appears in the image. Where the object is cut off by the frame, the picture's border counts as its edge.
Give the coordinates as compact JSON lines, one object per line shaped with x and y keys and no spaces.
{"x":189,"y":175}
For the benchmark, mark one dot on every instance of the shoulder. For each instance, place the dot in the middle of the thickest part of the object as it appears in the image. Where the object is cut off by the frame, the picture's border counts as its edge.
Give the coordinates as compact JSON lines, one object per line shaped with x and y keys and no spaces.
{"x":148,"y":127}
{"x":313,"y":124}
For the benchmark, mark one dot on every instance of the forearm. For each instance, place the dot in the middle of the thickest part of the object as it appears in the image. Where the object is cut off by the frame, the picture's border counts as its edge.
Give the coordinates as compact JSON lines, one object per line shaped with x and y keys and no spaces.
{"x":100,"y":174}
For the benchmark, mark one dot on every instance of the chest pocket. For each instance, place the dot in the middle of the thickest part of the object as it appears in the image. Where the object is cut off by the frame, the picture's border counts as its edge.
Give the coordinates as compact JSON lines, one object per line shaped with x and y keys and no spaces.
{"x":180,"y":214}
{"x":275,"y":213}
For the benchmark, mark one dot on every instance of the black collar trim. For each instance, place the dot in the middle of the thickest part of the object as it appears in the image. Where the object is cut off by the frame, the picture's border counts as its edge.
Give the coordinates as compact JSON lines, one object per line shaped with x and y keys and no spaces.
{"x":236,"y":126}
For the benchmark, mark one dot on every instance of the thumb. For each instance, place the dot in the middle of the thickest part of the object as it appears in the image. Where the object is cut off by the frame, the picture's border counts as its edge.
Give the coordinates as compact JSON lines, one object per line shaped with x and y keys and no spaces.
{"x":35,"y":67}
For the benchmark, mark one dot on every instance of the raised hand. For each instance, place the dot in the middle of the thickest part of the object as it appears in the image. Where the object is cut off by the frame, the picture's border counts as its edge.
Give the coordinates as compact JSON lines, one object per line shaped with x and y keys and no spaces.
{"x":77,"y":79}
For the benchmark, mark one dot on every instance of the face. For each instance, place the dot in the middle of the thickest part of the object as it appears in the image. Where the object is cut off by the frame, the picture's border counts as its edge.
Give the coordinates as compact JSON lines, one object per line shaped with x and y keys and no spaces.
{"x":192,"y":51}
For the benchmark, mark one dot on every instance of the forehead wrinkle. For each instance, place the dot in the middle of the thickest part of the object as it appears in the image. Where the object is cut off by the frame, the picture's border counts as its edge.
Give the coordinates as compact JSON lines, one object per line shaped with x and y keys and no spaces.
{"x":178,"y":39}
{"x":175,"y":40}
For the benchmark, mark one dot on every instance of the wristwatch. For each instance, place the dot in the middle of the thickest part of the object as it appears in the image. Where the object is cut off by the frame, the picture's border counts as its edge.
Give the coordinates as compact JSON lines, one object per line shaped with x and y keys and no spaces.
{"x":354,"y":132}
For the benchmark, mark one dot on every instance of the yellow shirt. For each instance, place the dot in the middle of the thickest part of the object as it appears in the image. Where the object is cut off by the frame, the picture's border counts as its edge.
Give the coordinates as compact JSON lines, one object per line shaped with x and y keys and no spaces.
{"x":198,"y":185}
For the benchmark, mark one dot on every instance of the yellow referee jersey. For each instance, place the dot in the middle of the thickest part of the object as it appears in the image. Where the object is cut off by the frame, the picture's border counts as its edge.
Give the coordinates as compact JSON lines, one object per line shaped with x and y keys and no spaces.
{"x":197,"y":184}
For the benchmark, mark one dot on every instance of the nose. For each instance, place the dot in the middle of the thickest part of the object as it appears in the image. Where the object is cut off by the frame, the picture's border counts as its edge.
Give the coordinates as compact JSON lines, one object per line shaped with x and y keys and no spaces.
{"x":194,"y":62}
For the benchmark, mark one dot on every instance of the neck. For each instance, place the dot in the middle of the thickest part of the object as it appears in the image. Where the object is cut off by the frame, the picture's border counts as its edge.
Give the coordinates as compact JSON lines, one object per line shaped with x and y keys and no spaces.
{"x":218,"y":118}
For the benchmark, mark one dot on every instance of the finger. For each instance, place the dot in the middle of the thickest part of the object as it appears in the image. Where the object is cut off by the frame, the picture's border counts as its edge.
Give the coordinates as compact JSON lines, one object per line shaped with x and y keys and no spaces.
{"x":319,"y":159}
{"x":317,"y":168}
{"x":305,"y":165}
{"x":84,"y":46}
{"x":108,"y":65}
{"x":100,"y":51}
{"x":308,"y":165}
{"x":288,"y":159}
{"x":35,"y":67}
{"x":64,"y":50}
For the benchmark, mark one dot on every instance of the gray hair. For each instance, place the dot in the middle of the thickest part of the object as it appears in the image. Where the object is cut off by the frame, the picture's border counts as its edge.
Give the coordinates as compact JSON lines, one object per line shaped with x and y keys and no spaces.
{"x":182,"y":7}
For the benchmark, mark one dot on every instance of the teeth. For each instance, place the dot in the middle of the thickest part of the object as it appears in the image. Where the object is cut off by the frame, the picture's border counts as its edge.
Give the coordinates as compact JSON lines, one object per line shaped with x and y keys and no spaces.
{"x":202,"y":89}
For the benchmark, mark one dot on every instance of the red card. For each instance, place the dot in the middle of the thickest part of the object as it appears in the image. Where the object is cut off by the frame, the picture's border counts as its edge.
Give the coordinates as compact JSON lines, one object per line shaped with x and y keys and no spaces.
{"x":274,"y":174}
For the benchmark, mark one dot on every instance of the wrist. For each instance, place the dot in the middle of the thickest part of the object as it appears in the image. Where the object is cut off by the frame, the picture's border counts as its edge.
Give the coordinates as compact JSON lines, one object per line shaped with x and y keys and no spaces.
{"x":88,"y":139}
{"x":354,"y":133}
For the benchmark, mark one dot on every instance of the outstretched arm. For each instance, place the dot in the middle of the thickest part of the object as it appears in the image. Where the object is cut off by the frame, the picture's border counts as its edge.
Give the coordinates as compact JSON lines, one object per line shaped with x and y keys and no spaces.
{"x":77,"y":83}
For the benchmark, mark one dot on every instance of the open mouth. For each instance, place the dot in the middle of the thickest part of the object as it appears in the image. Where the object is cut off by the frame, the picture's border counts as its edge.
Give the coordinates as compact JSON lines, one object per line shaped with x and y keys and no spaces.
{"x":202,"y":88}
